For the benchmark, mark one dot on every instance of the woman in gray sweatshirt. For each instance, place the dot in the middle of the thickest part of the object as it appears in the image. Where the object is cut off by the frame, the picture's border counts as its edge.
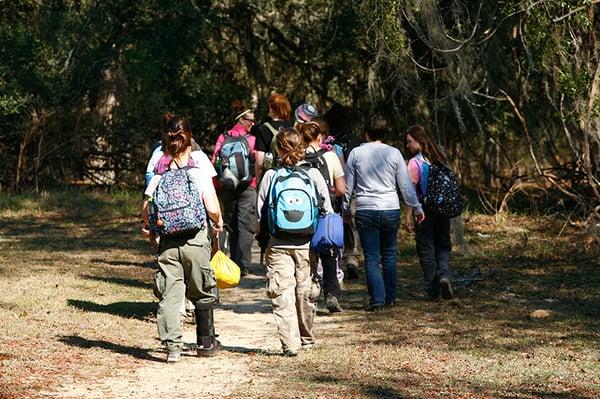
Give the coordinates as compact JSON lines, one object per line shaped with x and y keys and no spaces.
{"x":374,"y":173}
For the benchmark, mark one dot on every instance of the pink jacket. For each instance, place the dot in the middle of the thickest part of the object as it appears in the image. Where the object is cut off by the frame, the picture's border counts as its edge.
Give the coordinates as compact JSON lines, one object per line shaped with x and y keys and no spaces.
{"x":236,"y":130}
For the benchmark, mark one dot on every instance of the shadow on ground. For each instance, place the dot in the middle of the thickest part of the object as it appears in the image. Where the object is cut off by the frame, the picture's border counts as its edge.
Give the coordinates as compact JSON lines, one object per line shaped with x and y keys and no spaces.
{"x":80,"y":342}
{"x":129,"y":282}
{"x":136,"y":310}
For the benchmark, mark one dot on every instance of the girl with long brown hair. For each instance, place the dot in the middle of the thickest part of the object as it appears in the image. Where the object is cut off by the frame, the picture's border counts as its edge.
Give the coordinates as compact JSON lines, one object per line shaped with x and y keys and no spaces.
{"x":289,"y":283}
{"x":432,"y":236}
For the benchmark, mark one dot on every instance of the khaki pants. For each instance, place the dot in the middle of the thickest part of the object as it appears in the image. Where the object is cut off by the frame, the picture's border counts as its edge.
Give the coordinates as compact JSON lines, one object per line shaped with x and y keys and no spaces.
{"x":185,"y":267}
{"x":289,"y":287}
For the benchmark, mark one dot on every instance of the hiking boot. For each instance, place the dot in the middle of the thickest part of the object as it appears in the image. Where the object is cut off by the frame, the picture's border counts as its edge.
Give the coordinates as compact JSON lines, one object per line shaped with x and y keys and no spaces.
{"x":332,"y":304}
{"x":173,"y":356}
{"x":446,"y":288}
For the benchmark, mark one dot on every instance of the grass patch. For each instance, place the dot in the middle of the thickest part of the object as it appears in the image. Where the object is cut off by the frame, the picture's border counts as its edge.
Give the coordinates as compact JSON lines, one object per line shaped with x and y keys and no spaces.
{"x":481,"y":344}
{"x":76,"y":306}
{"x":73,"y":202}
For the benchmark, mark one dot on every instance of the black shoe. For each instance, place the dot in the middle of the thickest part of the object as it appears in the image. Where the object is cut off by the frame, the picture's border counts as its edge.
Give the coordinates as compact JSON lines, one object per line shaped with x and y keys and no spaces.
{"x":351,"y":272}
{"x":244,"y":272}
{"x":375,"y":308}
{"x":390,"y":304}
{"x":446,"y":288}
{"x":210,"y":347}
{"x":289,"y":353}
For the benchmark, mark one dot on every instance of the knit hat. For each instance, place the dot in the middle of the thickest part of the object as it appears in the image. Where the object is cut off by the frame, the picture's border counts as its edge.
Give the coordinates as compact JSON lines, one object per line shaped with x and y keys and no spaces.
{"x":306,"y":112}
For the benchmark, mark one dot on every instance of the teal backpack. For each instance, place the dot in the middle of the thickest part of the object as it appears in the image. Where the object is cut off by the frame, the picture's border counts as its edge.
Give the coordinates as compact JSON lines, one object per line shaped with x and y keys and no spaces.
{"x":235,"y":165}
{"x":293,"y":204}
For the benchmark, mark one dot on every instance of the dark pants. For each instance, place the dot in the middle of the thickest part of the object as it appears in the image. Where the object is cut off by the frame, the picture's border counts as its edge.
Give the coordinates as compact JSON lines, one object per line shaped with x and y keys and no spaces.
{"x":350,"y":253}
{"x":239,"y":214}
{"x":378,"y":232}
{"x":329,"y":260}
{"x":432,"y":237}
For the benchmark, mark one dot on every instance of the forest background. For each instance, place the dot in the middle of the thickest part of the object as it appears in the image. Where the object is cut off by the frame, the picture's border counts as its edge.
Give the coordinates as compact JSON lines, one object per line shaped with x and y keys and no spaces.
{"x":510,"y":89}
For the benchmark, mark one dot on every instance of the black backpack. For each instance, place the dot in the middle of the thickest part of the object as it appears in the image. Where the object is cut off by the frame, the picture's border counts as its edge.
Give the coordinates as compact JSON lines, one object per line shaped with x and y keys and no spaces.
{"x":444,"y":196}
{"x":316,"y":159}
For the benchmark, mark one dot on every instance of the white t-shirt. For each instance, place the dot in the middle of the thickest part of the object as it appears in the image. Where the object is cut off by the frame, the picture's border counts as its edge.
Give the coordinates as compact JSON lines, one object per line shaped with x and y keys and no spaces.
{"x":200,"y":159}
{"x":202,"y":179}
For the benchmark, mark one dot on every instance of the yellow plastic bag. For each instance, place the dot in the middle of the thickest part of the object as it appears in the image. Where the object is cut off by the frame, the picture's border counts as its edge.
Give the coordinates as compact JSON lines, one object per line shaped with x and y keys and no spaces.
{"x":227,"y":273}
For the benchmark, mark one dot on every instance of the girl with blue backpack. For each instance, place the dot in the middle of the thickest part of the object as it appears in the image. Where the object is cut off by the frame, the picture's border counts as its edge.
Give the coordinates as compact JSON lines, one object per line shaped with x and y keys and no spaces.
{"x":177,"y":206}
{"x":291,"y":197}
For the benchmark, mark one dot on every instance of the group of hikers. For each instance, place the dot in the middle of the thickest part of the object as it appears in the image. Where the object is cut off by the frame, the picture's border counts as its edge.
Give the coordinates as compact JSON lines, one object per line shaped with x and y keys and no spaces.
{"x":276,"y":182}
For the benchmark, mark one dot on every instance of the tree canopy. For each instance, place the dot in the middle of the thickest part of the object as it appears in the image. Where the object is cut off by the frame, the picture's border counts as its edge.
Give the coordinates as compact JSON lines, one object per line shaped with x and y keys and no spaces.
{"x":508,"y":88}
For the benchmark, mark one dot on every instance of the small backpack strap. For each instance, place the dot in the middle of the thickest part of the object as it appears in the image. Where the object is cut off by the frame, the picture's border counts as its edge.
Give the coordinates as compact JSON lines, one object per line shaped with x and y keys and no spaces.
{"x":271,"y":128}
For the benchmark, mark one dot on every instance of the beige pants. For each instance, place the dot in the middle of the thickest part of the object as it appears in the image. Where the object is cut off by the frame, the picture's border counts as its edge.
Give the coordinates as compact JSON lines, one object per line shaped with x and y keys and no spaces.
{"x":289,"y":287}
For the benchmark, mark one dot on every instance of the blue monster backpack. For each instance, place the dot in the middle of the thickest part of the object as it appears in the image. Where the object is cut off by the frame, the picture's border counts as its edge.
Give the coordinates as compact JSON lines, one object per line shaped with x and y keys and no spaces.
{"x":235,"y":164}
{"x":293,"y":203}
{"x":177,"y":208}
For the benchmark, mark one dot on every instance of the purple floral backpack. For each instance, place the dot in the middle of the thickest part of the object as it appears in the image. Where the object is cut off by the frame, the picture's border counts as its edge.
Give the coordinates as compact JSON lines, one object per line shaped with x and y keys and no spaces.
{"x":177,"y":208}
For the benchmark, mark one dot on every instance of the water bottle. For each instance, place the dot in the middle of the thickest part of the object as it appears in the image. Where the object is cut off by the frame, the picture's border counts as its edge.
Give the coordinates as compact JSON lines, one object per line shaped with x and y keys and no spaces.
{"x":268,"y":161}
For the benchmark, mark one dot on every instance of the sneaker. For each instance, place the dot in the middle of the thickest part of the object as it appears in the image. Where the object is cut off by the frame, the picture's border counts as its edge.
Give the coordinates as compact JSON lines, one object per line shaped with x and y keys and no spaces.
{"x":289,"y":353}
{"x":446,"y":288}
{"x":306,"y":347}
{"x":173,"y":357}
{"x":332,"y":304}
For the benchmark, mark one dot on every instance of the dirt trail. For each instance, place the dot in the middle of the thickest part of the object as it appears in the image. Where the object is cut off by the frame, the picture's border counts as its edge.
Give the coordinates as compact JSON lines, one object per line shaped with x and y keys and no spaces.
{"x":245,"y":324}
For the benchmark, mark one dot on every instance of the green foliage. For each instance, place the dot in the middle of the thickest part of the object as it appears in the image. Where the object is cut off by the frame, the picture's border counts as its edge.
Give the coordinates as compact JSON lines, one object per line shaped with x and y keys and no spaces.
{"x":83,"y":84}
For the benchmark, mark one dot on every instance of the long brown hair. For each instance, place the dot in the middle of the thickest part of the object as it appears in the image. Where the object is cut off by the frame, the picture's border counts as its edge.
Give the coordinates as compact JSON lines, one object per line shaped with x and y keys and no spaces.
{"x":291,"y":146}
{"x":177,"y":134}
{"x":429,"y":148}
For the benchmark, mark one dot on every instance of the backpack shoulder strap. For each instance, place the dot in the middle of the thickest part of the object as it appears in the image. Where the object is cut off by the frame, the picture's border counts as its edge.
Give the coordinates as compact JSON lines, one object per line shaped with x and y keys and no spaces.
{"x":271,"y":128}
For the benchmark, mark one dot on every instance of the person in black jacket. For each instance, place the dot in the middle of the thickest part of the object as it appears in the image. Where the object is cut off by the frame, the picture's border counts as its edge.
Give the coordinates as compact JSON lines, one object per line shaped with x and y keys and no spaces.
{"x":280,"y":116}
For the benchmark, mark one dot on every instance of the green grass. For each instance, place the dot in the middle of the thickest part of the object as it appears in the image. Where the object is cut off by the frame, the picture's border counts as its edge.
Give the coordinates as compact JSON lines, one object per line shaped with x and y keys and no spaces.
{"x":73,"y":202}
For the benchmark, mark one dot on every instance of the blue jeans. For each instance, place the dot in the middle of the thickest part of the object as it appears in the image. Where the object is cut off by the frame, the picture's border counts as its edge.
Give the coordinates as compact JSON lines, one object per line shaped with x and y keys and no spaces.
{"x":378,"y":232}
